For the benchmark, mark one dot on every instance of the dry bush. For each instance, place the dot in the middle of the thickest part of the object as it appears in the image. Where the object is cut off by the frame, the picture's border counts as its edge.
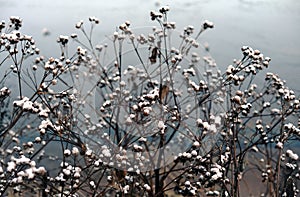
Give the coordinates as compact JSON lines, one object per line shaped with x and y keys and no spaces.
{"x":144,"y":114}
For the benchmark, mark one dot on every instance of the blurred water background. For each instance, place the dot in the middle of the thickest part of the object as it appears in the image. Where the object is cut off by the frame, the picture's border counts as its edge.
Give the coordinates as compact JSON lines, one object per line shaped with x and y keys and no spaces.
{"x":272,"y":26}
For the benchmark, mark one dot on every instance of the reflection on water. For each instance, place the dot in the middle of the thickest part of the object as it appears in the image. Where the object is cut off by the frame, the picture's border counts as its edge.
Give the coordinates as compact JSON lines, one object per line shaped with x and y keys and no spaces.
{"x":269,"y":25}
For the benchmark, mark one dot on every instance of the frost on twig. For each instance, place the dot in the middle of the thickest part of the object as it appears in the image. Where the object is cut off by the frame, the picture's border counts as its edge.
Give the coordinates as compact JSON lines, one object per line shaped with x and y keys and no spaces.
{"x":144,"y":113}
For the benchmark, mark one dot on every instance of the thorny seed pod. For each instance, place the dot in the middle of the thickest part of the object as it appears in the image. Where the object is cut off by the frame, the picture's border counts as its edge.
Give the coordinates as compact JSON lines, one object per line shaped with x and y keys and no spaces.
{"x":163,"y":93}
{"x":153,"y":56}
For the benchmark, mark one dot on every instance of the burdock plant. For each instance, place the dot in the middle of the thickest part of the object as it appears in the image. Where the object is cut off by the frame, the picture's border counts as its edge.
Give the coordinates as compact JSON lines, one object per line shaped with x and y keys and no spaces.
{"x":145,"y":113}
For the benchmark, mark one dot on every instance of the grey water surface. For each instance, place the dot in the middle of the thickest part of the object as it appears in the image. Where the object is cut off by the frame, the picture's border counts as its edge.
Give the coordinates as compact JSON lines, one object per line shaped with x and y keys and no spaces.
{"x":272,"y":26}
